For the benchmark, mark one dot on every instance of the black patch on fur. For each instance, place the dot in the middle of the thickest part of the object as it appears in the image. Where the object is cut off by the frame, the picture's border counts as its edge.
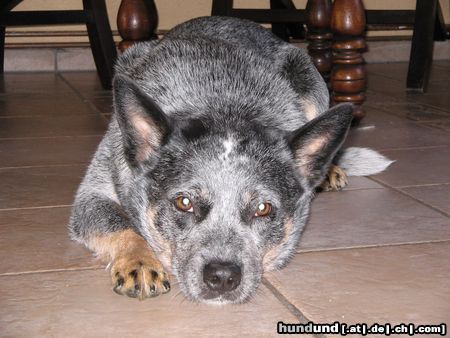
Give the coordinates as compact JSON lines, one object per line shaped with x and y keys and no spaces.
{"x":193,"y":129}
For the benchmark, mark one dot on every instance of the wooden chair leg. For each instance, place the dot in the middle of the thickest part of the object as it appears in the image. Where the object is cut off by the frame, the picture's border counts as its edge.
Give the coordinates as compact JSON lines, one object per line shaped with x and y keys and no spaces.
{"x":136,"y":21}
{"x":279,"y":29}
{"x":221,"y":7}
{"x":5,"y":6}
{"x":2,"y":48}
{"x":319,"y":36}
{"x":348,"y":76}
{"x":286,"y":30}
{"x":101,"y":40}
{"x":422,"y":46}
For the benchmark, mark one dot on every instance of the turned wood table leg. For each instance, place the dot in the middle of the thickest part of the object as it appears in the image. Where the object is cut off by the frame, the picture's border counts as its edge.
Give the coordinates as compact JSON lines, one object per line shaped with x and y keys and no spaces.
{"x":319,"y":36}
{"x":348,"y":76}
{"x":136,"y":21}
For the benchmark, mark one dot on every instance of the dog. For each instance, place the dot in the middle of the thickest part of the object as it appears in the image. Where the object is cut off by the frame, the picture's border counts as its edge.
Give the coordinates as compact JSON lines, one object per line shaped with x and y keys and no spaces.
{"x":220,"y":135}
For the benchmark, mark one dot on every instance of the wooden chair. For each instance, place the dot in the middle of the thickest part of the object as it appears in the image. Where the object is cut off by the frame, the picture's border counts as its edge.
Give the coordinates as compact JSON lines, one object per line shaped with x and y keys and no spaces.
{"x":93,"y":14}
{"x":428,"y":26}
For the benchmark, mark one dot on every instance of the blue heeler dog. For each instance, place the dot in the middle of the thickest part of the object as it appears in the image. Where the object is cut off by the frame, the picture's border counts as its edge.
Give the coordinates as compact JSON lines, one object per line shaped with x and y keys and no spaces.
{"x":220,"y":135}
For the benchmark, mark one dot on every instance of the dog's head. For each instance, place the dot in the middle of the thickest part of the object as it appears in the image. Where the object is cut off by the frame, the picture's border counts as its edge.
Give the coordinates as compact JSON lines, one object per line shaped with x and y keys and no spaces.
{"x":222,"y":200}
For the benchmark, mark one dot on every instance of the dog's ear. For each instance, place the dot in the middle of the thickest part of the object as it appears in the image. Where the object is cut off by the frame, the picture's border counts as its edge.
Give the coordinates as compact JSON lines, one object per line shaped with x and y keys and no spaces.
{"x":143,"y":124}
{"x":316,"y":143}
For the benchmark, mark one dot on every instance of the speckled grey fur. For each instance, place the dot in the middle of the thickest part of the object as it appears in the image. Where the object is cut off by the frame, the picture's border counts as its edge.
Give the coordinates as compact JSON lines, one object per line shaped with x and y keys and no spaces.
{"x":229,"y":107}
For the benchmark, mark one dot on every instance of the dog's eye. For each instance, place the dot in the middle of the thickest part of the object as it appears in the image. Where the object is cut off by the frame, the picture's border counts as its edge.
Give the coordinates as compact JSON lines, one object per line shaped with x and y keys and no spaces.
{"x":183,"y":203}
{"x":263,"y":209}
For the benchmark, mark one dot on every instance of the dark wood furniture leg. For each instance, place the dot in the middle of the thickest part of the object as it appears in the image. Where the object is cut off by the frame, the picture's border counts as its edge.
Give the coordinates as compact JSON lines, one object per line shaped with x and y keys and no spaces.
{"x":422,"y":45}
{"x":348,"y":76}
{"x":221,"y":7}
{"x":2,"y":48}
{"x":101,"y":40}
{"x":286,"y":30}
{"x":319,"y":36}
{"x":279,"y":15}
{"x":5,"y":6}
{"x":136,"y":21}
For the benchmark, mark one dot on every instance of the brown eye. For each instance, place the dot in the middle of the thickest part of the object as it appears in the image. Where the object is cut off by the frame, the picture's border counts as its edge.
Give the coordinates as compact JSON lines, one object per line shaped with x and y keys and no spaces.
{"x":263,"y":209}
{"x":184,"y":204}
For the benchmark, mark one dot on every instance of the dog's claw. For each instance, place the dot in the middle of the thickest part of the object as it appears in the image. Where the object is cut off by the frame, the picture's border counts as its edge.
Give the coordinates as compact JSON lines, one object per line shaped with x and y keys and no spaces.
{"x":336,"y":179}
{"x":144,"y":277}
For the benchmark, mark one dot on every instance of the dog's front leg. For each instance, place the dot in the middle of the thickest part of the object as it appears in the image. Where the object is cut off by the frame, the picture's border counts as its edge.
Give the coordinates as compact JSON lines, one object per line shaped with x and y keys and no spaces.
{"x":135,"y":271}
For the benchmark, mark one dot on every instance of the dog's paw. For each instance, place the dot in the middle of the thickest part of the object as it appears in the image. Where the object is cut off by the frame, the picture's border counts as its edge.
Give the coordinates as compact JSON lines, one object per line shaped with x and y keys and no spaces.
{"x":139,"y":277}
{"x":336,"y":179}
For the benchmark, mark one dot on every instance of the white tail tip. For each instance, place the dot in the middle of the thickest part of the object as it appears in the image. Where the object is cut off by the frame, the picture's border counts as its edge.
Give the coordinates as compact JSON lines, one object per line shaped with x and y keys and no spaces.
{"x":362,"y":161}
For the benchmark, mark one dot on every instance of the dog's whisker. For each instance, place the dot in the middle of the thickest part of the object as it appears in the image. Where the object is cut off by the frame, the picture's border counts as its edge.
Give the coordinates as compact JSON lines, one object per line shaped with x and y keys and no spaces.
{"x":175,"y":295}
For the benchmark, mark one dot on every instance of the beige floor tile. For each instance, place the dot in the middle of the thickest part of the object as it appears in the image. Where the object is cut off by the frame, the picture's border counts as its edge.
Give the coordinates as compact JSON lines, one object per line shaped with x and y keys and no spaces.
{"x":103,"y":104}
{"x":399,"y":70}
{"x":370,"y":217}
{"x":52,"y":126}
{"x":33,"y":105}
{"x":414,"y":111}
{"x":81,"y":304}
{"x":86,"y":83}
{"x":47,"y":151}
{"x":33,"y":83}
{"x":39,"y":186}
{"x":356,"y":183}
{"x":417,"y":167}
{"x":435,"y":195}
{"x":380,"y":130}
{"x":37,"y":239}
{"x":394,"y":284}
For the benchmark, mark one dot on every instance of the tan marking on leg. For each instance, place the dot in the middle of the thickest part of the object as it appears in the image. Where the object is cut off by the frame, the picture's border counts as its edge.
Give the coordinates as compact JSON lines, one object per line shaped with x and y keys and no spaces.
{"x":135,"y":270}
{"x":336,"y":179}
{"x":273,"y":253}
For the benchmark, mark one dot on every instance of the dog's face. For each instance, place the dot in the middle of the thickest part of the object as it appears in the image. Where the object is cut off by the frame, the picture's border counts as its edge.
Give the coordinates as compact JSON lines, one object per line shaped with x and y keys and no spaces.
{"x":225,"y":201}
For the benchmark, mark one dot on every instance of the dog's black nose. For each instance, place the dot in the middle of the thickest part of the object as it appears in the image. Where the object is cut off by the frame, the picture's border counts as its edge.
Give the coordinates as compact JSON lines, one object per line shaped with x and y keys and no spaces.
{"x":222,"y":277}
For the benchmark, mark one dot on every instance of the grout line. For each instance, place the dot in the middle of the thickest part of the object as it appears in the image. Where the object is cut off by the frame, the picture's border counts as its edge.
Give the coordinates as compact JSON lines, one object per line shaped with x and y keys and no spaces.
{"x":55,"y":60}
{"x":423,"y":185}
{"x":48,"y":137}
{"x":6,"y":117}
{"x":5,"y":274}
{"x":85,"y":99}
{"x":373,"y":246}
{"x":46,"y":166}
{"x":42,"y":207}
{"x":404,"y":193}
{"x":414,"y":148}
{"x":291,"y":307}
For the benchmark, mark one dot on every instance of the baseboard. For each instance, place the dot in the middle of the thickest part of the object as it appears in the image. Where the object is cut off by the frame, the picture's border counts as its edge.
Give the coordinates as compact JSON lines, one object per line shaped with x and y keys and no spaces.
{"x":80,"y":58}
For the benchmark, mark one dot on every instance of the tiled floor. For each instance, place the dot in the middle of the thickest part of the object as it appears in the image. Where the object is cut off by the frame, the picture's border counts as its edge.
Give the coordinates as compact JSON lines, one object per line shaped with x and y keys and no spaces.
{"x":379,"y":251}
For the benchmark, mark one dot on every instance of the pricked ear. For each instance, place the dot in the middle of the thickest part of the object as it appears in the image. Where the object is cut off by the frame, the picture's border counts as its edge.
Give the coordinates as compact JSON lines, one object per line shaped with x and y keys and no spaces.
{"x":143,"y":124}
{"x":316,"y":143}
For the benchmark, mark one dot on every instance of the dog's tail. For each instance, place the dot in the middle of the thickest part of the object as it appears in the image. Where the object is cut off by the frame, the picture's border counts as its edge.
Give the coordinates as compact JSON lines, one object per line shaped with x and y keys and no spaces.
{"x":362,"y":161}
